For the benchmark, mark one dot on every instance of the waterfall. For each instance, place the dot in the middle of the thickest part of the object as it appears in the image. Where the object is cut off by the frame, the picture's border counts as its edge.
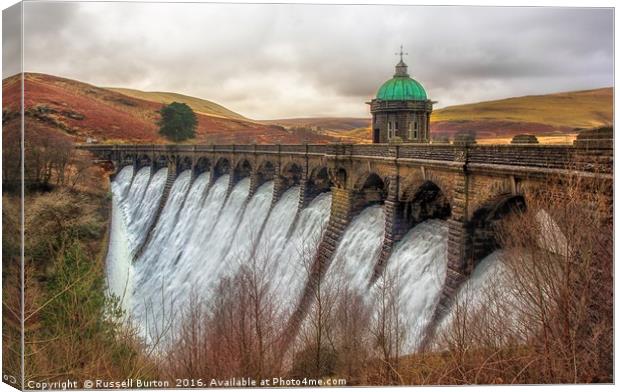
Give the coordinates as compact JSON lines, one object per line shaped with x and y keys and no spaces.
{"x":118,"y":259}
{"x":202,"y":235}
{"x":158,"y":262}
{"x":222,"y":235}
{"x":140,"y":205}
{"x":154,"y":259}
{"x":357,"y":253}
{"x":289,"y":268}
{"x":248,"y":231}
{"x":131,"y":203}
{"x":417,"y":269}
{"x":273,"y":239}
{"x":122,"y":182}
{"x":167,"y":220}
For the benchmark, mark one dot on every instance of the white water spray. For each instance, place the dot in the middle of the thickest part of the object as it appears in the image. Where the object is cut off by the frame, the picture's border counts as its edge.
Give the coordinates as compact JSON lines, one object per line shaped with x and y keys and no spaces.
{"x":202,"y":236}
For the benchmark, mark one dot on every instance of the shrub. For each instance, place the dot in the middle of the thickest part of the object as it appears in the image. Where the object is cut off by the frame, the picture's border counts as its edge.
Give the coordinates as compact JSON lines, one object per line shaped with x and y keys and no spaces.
{"x":178,"y":122}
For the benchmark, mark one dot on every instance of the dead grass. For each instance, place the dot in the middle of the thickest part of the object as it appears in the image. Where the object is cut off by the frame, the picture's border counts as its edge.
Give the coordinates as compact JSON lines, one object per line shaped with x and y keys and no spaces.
{"x":197,"y":104}
{"x":578,"y":109}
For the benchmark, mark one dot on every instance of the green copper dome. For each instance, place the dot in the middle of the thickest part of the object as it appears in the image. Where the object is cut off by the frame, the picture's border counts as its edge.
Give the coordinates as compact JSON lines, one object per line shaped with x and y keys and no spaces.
{"x":401,"y":87}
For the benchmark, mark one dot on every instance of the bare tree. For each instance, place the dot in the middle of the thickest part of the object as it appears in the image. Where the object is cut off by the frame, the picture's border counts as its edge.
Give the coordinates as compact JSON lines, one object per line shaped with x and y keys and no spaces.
{"x":549,"y":319}
{"x":387,"y":327}
{"x":315,"y":346}
{"x":236,"y":333}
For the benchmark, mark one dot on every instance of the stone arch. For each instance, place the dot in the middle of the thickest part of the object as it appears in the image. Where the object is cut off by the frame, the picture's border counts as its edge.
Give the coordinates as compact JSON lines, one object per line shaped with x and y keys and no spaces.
{"x":184,"y":163}
{"x":160,"y":162}
{"x":372,"y":188}
{"x":482,"y":227}
{"x":128,"y":160}
{"x":291,"y":174}
{"x":202,"y":165}
{"x":266,"y":171}
{"x":222,"y":166}
{"x":422,"y":201}
{"x":319,"y":181}
{"x":338,"y":176}
{"x":490,"y":188}
{"x":242,"y":169}
{"x":142,"y":161}
{"x":411,"y":183}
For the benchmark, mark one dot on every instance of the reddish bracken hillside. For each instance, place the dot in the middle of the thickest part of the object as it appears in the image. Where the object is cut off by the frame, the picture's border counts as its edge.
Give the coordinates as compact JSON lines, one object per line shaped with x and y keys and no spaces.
{"x":80,"y":111}
{"x":76,"y":110}
{"x":490,"y":129}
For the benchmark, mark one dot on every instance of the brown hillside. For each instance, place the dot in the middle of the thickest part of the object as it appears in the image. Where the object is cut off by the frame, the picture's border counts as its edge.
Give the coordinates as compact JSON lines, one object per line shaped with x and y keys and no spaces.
{"x":326,"y":123}
{"x":79,"y":110}
{"x":544,"y":115}
{"x":197,"y":104}
{"x":554,"y":118}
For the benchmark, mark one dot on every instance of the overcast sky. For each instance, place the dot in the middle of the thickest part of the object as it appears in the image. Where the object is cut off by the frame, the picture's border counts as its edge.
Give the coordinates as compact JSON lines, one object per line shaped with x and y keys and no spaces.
{"x":276,"y":61}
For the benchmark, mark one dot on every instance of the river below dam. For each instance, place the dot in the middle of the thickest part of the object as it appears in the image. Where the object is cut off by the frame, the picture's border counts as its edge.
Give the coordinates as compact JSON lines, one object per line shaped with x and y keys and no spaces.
{"x":201,"y":237}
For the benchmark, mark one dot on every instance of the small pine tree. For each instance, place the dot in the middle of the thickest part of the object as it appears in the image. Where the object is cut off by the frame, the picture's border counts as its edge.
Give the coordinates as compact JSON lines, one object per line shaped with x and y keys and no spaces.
{"x":178,"y":122}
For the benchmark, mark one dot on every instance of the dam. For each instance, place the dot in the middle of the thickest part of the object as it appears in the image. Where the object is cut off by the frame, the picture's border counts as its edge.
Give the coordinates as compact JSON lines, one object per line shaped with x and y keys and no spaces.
{"x":187,"y":217}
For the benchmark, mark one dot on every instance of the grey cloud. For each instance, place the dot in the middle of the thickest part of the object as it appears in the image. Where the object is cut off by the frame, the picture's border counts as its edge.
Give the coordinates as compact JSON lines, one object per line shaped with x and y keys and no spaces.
{"x":11,"y":40}
{"x":303,"y":60}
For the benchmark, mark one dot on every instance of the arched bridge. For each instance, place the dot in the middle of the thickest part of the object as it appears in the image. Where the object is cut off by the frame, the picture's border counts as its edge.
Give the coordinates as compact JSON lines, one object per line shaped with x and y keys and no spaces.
{"x":469,"y":185}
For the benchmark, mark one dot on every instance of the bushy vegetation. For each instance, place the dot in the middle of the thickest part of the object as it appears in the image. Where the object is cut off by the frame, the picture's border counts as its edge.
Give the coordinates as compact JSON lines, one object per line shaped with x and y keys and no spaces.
{"x":49,"y":159}
{"x":178,"y":122}
{"x":72,"y":328}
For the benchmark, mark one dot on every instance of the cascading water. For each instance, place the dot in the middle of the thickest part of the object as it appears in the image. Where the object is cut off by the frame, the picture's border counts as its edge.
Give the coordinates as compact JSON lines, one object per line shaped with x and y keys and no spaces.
{"x":222,"y":235}
{"x":485,"y":277}
{"x":273,"y":239}
{"x":289,"y":269}
{"x":149,"y":264}
{"x":167,"y":220}
{"x":122,"y":182}
{"x":248,"y":231}
{"x":158,"y":262}
{"x":136,"y":188}
{"x":141,"y":204}
{"x":118,"y":259}
{"x":202,"y":236}
{"x":417,"y":269}
{"x":355,"y":258}
{"x":197,"y":234}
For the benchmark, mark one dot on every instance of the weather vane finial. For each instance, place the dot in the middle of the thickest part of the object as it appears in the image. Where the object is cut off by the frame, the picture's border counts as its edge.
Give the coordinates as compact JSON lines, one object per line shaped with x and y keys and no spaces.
{"x":401,"y":53}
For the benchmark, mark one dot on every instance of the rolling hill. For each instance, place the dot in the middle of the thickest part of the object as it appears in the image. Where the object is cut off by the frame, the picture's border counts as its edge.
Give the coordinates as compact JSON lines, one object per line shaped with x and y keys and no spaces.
{"x":198,"y":105}
{"x":332,"y":123}
{"x":552,"y":117}
{"x":78,"y":111}
{"x":543,"y":115}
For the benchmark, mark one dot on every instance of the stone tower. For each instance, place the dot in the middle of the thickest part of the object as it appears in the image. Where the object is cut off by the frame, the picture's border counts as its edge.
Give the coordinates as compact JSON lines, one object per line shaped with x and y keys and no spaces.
{"x":401,"y":108}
